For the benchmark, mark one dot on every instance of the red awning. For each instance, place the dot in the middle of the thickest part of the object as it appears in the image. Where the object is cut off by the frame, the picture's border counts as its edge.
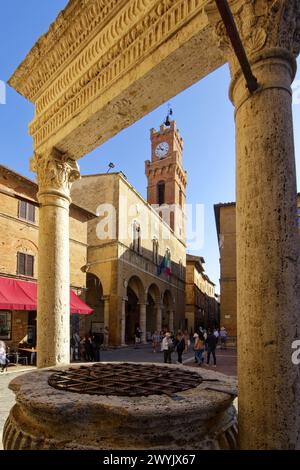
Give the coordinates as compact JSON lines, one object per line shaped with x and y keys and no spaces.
{"x":22,"y":295}
{"x":77,"y":305}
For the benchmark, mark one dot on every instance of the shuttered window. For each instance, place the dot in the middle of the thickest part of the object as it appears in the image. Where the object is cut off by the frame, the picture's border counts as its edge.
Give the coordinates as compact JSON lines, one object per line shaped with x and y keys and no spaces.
{"x":22,"y":209}
{"x":25,"y":264}
{"x":30,"y":212}
{"x":26,"y":211}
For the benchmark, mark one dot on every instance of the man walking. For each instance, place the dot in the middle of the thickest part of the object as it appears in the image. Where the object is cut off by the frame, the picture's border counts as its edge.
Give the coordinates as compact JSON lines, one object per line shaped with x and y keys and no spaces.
{"x":211,"y":347}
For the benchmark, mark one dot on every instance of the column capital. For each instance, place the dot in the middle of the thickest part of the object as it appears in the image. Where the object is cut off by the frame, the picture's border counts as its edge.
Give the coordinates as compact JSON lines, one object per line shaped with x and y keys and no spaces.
{"x":264,"y":26}
{"x":143,"y":304}
{"x":55,"y":172}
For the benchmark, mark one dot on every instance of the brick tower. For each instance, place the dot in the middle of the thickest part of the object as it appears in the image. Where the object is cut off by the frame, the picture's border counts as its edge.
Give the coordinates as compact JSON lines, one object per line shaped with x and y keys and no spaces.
{"x":166,"y":177}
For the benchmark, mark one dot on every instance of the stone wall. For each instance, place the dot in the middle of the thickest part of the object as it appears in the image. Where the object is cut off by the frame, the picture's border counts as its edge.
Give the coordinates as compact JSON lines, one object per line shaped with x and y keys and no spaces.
{"x":227,"y":243}
{"x":228,"y":269}
{"x":22,"y":235}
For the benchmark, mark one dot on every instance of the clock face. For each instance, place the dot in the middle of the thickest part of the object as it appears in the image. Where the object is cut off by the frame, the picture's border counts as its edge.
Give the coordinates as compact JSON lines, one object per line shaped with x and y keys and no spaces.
{"x":162,"y":149}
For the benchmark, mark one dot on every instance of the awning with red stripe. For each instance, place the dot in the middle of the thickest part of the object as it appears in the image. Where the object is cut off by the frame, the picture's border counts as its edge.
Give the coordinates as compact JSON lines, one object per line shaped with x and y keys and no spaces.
{"x":22,"y":295}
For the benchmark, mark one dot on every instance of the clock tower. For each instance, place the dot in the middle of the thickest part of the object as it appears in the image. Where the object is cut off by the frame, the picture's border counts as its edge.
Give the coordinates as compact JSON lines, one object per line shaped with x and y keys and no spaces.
{"x":166,"y":177}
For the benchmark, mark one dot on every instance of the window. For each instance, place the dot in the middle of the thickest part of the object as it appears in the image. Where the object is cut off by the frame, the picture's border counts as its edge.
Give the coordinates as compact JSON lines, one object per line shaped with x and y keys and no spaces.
{"x":155,"y":250}
{"x":161,"y":193}
{"x":25,"y":264}
{"x":5,"y":325}
{"x":180,"y":269}
{"x":180,"y":197}
{"x":136,"y":244}
{"x":26,"y":211}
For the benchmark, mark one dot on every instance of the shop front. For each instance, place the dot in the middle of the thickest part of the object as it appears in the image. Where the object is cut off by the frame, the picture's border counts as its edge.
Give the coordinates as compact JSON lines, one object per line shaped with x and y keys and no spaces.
{"x":18,"y":311}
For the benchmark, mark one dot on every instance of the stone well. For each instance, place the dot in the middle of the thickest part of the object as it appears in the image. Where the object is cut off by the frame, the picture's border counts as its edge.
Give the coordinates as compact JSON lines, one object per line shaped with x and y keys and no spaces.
{"x":153,"y":407}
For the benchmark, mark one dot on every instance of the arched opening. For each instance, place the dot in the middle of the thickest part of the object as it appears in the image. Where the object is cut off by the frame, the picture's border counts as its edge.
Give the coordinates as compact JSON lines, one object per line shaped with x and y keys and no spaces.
{"x":153,"y":299}
{"x":94,"y":298}
{"x":135,"y":295}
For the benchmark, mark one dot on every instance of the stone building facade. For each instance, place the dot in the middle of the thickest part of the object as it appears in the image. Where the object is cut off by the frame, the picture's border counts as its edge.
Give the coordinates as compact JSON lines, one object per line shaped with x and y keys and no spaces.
{"x":225,"y":216}
{"x":201,"y":302}
{"x":128,"y":242}
{"x":19,"y":226}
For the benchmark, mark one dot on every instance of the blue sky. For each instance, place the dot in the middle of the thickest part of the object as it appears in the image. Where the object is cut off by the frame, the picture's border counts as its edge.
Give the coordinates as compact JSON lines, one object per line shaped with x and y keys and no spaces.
{"x":203,"y":114}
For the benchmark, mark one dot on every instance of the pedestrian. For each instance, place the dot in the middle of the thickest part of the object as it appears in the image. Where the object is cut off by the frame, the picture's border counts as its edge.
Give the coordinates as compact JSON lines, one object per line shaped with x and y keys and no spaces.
{"x":33,"y":356}
{"x":216,"y":333}
{"x":167,"y":348}
{"x":179,"y":346}
{"x":211,"y":347}
{"x":76,"y":338}
{"x":187,"y":341}
{"x":3,"y":359}
{"x":89,"y":353}
{"x":82,"y":351}
{"x":198,"y":349}
{"x":72,"y":348}
{"x":137,"y":335}
{"x":97,"y":341}
{"x":155,"y":341}
{"x":223,"y":336}
{"x":106,"y":337}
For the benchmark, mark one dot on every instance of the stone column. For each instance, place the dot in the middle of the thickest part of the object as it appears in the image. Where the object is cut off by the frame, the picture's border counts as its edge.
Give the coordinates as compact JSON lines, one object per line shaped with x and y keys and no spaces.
{"x":267,"y":238}
{"x":55,"y":172}
{"x":158,"y":318}
{"x":106,"y":311}
{"x":123,"y":320}
{"x":171,"y":320}
{"x":143,"y":321}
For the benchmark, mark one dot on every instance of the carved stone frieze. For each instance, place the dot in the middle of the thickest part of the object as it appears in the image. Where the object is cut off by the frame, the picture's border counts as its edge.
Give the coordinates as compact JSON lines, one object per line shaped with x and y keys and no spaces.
{"x":73,"y":26}
{"x":55,"y":171}
{"x":263,"y":25}
{"x":129,"y":37}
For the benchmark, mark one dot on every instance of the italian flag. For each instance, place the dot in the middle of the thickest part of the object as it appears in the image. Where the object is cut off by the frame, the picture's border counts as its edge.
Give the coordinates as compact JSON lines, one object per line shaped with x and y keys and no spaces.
{"x":168,"y":264}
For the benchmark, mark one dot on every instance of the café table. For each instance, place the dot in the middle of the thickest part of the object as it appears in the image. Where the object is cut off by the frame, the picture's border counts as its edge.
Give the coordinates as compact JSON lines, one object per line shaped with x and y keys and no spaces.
{"x":29,"y":353}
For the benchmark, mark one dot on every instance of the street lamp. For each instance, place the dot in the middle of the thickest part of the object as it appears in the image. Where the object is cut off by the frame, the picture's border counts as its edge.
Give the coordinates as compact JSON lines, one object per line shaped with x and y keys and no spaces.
{"x":110,"y":166}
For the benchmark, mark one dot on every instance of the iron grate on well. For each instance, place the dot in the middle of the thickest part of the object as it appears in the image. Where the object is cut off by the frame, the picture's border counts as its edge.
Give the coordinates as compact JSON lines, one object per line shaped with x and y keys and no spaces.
{"x":131,"y":380}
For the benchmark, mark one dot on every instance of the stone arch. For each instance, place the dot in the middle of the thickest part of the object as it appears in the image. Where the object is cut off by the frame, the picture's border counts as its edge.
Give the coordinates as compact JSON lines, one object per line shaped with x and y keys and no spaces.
{"x":135,"y":296}
{"x":136,"y":284}
{"x":153,"y":302}
{"x":26,"y":245}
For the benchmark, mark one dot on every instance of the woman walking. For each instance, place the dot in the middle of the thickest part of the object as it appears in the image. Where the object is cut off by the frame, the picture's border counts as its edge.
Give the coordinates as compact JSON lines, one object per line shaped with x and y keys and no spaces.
{"x":199,"y":349}
{"x":179,"y":345}
{"x":3,"y":359}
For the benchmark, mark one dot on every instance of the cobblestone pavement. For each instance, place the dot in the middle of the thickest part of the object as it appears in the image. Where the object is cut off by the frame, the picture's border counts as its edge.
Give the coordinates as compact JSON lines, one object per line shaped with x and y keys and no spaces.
{"x":226,"y":363}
